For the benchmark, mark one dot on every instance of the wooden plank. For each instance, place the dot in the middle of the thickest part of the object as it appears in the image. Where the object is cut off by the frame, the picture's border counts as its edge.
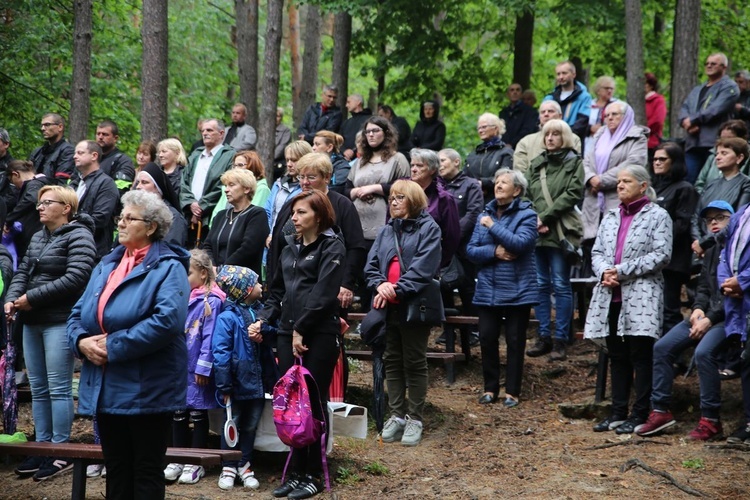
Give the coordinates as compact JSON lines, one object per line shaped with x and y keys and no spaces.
{"x":445,"y":357}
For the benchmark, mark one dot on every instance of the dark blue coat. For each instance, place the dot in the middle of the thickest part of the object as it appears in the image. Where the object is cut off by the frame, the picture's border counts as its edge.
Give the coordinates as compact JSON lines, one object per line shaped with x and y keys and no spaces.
{"x":736,"y":310}
{"x":500,"y":282}
{"x":146,"y":370}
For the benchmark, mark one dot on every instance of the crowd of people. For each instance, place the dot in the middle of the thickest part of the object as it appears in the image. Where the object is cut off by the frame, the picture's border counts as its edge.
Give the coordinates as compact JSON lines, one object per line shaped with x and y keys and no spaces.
{"x":371,"y":208}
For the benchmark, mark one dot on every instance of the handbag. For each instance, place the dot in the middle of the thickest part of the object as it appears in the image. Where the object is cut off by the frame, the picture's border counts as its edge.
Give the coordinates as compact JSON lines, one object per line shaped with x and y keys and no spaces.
{"x":568,"y":227}
{"x":451,"y":275}
{"x":425,"y":308}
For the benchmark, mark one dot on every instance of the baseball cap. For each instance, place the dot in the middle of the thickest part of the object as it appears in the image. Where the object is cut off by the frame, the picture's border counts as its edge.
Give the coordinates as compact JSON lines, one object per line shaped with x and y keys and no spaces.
{"x":719,"y":205}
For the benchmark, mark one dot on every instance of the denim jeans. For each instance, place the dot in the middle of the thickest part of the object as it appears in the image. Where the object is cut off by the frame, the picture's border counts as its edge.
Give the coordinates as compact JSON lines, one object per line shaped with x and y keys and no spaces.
{"x":666,"y":351}
{"x":246,"y":414}
{"x":695,"y":158}
{"x":49,"y":361}
{"x":553,"y":275}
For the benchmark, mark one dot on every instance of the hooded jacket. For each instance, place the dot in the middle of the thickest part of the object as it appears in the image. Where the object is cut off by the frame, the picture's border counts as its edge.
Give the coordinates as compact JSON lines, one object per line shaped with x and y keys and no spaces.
{"x":736,"y":310}
{"x":576,"y":108}
{"x":429,"y":133}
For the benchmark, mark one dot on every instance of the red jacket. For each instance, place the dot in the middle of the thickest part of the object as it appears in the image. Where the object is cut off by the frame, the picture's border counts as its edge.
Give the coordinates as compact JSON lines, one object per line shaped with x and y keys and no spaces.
{"x":656,"y":113}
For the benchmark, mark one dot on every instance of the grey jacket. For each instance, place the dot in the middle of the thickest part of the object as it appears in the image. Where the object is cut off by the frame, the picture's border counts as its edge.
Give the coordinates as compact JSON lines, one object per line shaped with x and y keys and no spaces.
{"x":716,"y":108}
{"x":244,"y":139}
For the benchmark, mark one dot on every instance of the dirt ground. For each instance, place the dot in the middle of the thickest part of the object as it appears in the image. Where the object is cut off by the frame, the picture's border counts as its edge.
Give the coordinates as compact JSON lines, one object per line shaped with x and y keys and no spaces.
{"x":476,"y":452}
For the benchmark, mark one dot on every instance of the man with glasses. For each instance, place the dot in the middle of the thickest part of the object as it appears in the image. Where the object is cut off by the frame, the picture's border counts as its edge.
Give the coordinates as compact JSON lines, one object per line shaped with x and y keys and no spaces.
{"x":520,"y":118}
{"x":97,"y":194}
{"x":705,"y":109}
{"x":323,"y":115}
{"x":55,"y":158}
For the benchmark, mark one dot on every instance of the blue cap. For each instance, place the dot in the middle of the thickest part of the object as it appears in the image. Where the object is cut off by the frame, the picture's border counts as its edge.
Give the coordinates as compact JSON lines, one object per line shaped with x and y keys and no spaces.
{"x":719,"y":205}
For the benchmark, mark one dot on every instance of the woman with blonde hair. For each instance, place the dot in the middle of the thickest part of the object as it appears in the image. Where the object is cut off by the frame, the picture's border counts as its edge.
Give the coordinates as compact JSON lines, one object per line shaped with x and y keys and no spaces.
{"x":490,"y":156}
{"x":330,"y":143}
{"x":172,"y":159}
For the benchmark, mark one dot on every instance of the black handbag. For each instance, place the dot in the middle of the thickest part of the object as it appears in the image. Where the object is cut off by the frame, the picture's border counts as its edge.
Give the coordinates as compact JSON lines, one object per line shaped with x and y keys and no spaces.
{"x":425,"y":308}
{"x":452,"y":274}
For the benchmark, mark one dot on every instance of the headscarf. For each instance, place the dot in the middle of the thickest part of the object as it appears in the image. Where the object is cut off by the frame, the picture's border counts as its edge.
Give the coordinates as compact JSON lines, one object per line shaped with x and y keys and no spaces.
{"x":608,"y":141}
{"x":162,"y":184}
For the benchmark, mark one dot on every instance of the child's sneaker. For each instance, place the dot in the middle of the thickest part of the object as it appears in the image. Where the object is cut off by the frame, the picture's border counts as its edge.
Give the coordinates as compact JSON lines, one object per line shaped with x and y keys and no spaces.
{"x":171,"y":473}
{"x":248,"y":477}
{"x":192,"y":474}
{"x":227,"y":478}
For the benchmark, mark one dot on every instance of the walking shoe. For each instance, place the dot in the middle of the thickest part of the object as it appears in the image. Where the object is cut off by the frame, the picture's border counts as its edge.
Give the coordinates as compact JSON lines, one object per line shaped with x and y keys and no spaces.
{"x":30,"y":466}
{"x":558,"y":351}
{"x":628,"y":426}
{"x":609,"y":424}
{"x":227,"y":478}
{"x":707,"y":430}
{"x":412,"y":432}
{"x":657,"y":421}
{"x":308,"y":487}
{"x":510,"y":402}
{"x":473,"y":339}
{"x":172,"y":472}
{"x":542,"y":346}
{"x":290,"y":485}
{"x":52,"y":467}
{"x":95,"y":470}
{"x":741,"y":435}
{"x":248,"y":477}
{"x":191,"y":474}
{"x":393,"y":429}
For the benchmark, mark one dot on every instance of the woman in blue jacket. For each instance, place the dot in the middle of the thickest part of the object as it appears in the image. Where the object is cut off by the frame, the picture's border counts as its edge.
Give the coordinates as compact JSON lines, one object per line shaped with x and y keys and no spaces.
{"x":129,"y":324}
{"x":502,"y":247}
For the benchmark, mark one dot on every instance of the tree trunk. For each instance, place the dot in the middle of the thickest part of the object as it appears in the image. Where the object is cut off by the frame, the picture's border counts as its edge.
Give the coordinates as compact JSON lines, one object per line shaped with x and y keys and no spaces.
{"x":342,"y":39}
{"x":381,"y":73}
{"x":270,"y":92}
{"x":154,"y":74}
{"x":634,"y":59}
{"x":687,"y":23}
{"x":81,"y":84}
{"x":294,"y":42}
{"x":310,"y":58}
{"x":523,"y":41}
{"x":246,"y":12}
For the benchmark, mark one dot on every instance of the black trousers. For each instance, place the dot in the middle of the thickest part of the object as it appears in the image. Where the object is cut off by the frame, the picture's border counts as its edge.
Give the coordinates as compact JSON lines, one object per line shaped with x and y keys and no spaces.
{"x":516,"y":321}
{"x":631,"y":366}
{"x":134,"y":449}
{"x":673,"y":282}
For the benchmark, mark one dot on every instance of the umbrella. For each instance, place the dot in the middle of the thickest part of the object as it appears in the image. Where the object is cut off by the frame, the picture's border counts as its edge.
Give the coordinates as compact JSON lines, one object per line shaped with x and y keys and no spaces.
{"x":10,"y":394}
{"x":378,"y":386}
{"x":337,"y":389}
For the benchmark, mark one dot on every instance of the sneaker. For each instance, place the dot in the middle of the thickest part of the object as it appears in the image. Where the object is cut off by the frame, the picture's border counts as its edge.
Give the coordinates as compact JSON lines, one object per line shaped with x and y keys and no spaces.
{"x":307,"y":487}
{"x":95,"y":470}
{"x":741,"y":435}
{"x":628,"y":426}
{"x":227,"y":478}
{"x":52,"y":467}
{"x":290,"y":485}
{"x":657,"y":421}
{"x":191,"y":474}
{"x":30,"y":466}
{"x":473,"y":339}
{"x":441,"y":339}
{"x":609,"y":424}
{"x":412,"y":432}
{"x":510,"y":402}
{"x":707,"y":430}
{"x":248,"y":477}
{"x":173,"y":472}
{"x":542,"y":346}
{"x":393,"y":429}
{"x":558,"y":351}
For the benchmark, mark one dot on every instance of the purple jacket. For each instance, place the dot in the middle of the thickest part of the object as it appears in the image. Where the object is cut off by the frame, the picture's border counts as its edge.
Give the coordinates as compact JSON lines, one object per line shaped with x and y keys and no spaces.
{"x":443,"y":208}
{"x":735,"y":322}
{"x":199,"y":331}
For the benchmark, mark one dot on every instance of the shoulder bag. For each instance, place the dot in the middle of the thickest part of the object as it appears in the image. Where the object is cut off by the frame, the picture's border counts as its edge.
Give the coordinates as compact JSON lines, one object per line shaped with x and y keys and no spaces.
{"x":425,"y":308}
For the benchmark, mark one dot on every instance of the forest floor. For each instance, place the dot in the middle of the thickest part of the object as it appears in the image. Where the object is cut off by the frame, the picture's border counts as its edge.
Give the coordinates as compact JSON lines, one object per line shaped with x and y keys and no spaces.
{"x":473,"y":451}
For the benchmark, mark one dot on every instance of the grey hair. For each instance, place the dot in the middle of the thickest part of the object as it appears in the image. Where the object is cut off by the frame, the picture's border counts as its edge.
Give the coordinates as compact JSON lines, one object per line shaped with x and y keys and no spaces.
{"x":152,"y":208}
{"x":359,"y":98}
{"x":330,"y":88}
{"x":554,"y":104}
{"x":600,"y":82}
{"x":452,"y":154}
{"x":219,"y":124}
{"x":640,"y":174}
{"x":428,"y":156}
{"x":724,"y":58}
{"x":494,"y":121}
{"x":519,"y":180}
{"x":743,"y":73}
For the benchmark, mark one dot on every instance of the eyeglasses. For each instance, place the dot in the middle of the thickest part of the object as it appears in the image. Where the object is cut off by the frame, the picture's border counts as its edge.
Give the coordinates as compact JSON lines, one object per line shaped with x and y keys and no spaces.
{"x":661,"y":159}
{"x":128,"y":220}
{"x":308,"y":178}
{"x":397,"y":198}
{"x":484,"y":127}
{"x":713,"y":63}
{"x":240,"y":165}
{"x":373,"y":131}
{"x":49,"y":124}
{"x":717,"y":218}
{"x":47,"y":203}
{"x":612,"y":114}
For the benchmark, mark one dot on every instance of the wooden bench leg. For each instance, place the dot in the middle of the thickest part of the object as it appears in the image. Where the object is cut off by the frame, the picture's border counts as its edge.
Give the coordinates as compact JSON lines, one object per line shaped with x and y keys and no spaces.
{"x":601,"y":376}
{"x":79,"y":479}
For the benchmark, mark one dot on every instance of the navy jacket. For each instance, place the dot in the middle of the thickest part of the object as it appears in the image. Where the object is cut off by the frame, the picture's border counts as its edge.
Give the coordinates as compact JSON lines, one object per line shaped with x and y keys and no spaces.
{"x":520,"y":121}
{"x":468,"y":195}
{"x":484,"y":161}
{"x":315,"y":120}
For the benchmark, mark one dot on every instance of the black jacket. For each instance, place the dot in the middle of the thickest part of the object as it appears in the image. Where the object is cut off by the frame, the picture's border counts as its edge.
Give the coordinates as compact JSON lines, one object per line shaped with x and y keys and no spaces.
{"x":679,"y":199}
{"x":341,"y":169}
{"x":26,"y":213}
{"x":429,"y":133}
{"x":468,"y":195}
{"x":520,"y":121}
{"x":8,"y":191}
{"x":241,"y":242}
{"x":55,"y":161}
{"x":404,"y":135}
{"x":119,"y":166}
{"x":484,"y":162}
{"x":55,"y":271}
{"x":708,"y":297}
{"x":307,"y":283}
{"x":315,"y":120}
{"x":351,"y":126}
{"x":99,"y":201}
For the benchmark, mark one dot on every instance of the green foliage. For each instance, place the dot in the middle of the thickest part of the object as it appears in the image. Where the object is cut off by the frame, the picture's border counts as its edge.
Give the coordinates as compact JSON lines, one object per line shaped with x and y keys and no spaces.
{"x":377,"y":469}
{"x":694,"y":463}
{"x":347,"y":475}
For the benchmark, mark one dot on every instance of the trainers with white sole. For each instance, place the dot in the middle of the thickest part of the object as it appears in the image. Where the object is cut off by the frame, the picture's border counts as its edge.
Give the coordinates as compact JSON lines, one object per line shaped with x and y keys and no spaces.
{"x":173,"y":472}
{"x":94,"y":470}
{"x":412,"y":432}
{"x":191,"y":474}
{"x":248,"y":477}
{"x":227,"y":478}
{"x":393,"y":429}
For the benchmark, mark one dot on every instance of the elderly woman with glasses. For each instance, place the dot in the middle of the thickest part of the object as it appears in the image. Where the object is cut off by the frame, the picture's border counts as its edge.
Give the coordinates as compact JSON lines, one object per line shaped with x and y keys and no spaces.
{"x":490,"y":156}
{"x":129,"y":330}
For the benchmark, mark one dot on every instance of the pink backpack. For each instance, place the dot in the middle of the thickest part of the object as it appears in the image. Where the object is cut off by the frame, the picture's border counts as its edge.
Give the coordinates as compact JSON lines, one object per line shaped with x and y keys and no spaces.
{"x":295,"y":423}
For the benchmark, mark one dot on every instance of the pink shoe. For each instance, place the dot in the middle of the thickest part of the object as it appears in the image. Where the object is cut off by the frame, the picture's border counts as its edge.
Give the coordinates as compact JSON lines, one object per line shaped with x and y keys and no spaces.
{"x":706,"y":430}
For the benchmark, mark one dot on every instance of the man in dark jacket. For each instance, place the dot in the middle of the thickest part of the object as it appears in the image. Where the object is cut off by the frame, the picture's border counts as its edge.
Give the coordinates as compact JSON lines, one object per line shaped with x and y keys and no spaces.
{"x":402,"y":127}
{"x":114,"y":162}
{"x":355,"y":104}
{"x":55,"y":158}
{"x":742,"y":108}
{"x":97,"y":194}
{"x":323,"y":115}
{"x":7,"y":189}
{"x":520,"y":118}
{"x":429,"y":131}
{"x":573,"y":97}
{"x":24,"y":212}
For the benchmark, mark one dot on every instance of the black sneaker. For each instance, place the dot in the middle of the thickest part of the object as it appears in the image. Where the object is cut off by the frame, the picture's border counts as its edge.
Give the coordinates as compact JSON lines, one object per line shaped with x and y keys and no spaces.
{"x":741,"y":435}
{"x":628,"y":427}
{"x":308,"y":487}
{"x":441,"y":339}
{"x":290,"y":485}
{"x":30,"y":466}
{"x":609,"y":424}
{"x":558,"y":351}
{"x":52,"y":467}
{"x":542,"y":346}
{"x":473,"y":339}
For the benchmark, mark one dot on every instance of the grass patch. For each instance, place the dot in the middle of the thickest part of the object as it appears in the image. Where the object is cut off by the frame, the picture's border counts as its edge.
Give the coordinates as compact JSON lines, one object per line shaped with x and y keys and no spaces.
{"x":694,"y":463}
{"x":347,"y":475}
{"x":376,"y":469}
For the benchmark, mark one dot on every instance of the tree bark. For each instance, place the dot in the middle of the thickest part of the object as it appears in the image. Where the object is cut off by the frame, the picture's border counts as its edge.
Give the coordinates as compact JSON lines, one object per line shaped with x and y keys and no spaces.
{"x":687,"y":25}
{"x":80,"y":91}
{"x":246,"y":12}
{"x":294,"y":43}
{"x":154,"y":71}
{"x":634,"y":59}
{"x":310,"y":58}
{"x":270,"y":92}
{"x":342,"y":40}
{"x":523,"y":41}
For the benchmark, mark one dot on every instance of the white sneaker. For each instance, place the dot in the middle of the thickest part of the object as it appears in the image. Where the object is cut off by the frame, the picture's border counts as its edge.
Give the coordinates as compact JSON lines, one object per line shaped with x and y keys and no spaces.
{"x":104,"y":472}
{"x":227,"y":478}
{"x":94,"y":470}
{"x":192,"y":474}
{"x":248,"y":477}
{"x":173,"y":471}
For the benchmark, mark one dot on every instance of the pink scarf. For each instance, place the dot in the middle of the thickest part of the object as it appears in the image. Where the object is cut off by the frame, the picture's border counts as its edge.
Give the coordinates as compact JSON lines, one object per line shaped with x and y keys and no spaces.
{"x":129,"y":260}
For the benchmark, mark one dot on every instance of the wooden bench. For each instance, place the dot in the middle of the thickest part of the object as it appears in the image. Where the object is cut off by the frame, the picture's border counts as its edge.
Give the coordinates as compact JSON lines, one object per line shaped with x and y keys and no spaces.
{"x":83,"y":455}
{"x":447,"y":358}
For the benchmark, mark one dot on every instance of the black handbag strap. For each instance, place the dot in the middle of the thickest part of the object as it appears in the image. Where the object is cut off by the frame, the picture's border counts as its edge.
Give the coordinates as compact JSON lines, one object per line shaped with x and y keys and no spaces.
{"x":398,"y":252}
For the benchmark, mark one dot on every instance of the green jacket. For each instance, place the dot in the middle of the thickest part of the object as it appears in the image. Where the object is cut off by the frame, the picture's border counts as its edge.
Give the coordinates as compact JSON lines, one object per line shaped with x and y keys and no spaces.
{"x":564,"y":171}
{"x":212,"y":189}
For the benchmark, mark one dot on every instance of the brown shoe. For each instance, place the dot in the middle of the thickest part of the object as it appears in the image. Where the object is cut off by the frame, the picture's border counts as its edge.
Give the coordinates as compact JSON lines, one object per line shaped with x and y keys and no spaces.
{"x":558,"y":351}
